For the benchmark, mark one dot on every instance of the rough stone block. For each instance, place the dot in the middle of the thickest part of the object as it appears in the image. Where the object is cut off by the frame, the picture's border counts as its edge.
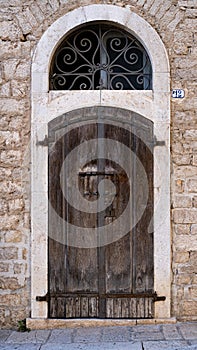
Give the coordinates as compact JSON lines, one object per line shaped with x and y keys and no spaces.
{"x":183,"y":159}
{"x":191,"y":134}
{"x":184,"y":216}
{"x":3,"y":206}
{"x":13,"y":237}
{"x":10,"y":158}
{"x":181,"y":257}
{"x":36,"y":11}
{"x":11,"y":299}
{"x":5,"y":90}
{"x":8,"y":253}
{"x":23,"y":71}
{"x":9,"y":68}
{"x":4,"y":267}
{"x":192,"y":293}
{"x":182,"y":229}
{"x":9,"y":31}
{"x":194,"y":229}
{"x":18,"y":89}
{"x":182,"y":279}
{"x":10,"y":222}
{"x":182,"y":202}
{"x":185,"y":242}
{"x":12,"y":107}
{"x":192,"y":185}
{"x":193,"y":256}
{"x":194,"y":201}
{"x":179,"y":185}
{"x":10,"y":283}
{"x":9,"y":139}
{"x":23,"y":23}
{"x":194,"y":159}
{"x":16,"y":206}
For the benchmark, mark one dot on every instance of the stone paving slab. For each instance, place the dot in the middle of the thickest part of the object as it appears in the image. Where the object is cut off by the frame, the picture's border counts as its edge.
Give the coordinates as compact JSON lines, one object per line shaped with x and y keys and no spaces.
{"x":34,"y":337}
{"x":59,"y":336}
{"x":188,"y":330}
{"x":180,"y":336}
{"x":193,"y":342}
{"x":165,"y":345}
{"x":4,"y":334}
{"x":20,"y":346}
{"x":147,"y":333}
{"x":89,"y":335}
{"x":94,"y":346}
{"x":171,"y":332}
{"x":116,"y":334}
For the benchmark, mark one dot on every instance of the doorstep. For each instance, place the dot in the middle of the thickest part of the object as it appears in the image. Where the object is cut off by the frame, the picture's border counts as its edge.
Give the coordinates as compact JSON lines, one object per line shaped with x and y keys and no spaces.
{"x":51,"y":323}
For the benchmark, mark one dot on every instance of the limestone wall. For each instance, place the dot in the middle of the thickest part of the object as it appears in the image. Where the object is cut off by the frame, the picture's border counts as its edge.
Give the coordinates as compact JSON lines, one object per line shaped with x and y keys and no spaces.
{"x":22,"y":24}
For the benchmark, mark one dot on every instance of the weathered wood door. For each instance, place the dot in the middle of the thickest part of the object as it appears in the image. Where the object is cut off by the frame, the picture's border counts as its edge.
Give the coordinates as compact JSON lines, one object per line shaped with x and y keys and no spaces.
{"x":106,"y":272}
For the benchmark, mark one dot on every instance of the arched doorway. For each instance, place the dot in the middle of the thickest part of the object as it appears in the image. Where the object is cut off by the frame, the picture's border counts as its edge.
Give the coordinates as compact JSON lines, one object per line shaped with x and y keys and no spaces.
{"x":47,"y":105}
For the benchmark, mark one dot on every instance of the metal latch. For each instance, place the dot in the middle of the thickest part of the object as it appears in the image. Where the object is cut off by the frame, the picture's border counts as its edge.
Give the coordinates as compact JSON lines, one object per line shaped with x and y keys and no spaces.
{"x":158,"y":143}
{"x":43,"y":298}
{"x":44,"y":142}
{"x":158,"y":298}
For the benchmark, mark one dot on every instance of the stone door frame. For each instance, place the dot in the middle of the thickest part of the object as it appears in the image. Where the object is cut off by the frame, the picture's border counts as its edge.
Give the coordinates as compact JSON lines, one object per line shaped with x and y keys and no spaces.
{"x":47,"y":105}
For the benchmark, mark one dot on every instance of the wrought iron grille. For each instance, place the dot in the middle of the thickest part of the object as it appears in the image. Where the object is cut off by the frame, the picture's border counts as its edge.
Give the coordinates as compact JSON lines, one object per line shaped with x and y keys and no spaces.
{"x":100,"y":56}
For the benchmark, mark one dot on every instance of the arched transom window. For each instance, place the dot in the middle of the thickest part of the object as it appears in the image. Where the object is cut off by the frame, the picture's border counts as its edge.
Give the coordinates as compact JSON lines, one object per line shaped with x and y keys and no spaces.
{"x":100,"y":56}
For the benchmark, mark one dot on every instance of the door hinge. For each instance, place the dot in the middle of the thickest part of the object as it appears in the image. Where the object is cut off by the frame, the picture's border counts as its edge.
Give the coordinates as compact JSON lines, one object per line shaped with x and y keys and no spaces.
{"x":158,"y":298}
{"x":43,"y":298}
{"x":44,"y":142}
{"x":158,"y":143}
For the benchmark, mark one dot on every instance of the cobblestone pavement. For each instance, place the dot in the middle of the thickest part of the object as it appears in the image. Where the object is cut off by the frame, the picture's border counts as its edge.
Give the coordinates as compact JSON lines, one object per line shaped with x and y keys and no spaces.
{"x":180,"y":336}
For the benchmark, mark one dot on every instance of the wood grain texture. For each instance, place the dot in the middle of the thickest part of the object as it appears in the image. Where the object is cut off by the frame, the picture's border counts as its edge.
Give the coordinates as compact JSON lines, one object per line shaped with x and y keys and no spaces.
{"x":81,"y":277}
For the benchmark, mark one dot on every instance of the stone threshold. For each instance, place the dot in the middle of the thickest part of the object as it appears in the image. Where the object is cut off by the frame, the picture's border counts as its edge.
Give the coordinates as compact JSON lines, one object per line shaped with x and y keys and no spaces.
{"x":47,"y":323}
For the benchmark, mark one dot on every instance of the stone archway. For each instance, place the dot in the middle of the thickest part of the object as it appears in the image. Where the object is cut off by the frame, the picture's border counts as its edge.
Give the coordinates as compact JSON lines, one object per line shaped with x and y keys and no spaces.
{"x":47,"y":105}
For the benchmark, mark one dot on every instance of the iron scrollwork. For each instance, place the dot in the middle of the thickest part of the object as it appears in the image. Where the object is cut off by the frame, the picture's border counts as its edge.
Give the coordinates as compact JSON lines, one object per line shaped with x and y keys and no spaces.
{"x":101,"y":56}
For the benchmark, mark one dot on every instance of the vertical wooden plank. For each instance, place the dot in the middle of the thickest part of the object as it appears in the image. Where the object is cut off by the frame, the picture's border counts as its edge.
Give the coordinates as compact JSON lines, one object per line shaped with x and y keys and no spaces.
{"x":125,"y":308}
{"x":140,"y":307}
{"x":142,"y":235}
{"x":117,"y":308}
{"x":109,"y":308}
{"x":60,"y":302}
{"x":82,"y":266}
{"x":118,"y":254}
{"x":151,"y":306}
{"x":92,"y":307}
{"x":148,"y":308}
{"x":101,"y":164}
{"x":133,"y":308}
{"x":52,"y":310}
{"x":77,"y":305}
{"x":84,"y":307}
{"x":70,"y":307}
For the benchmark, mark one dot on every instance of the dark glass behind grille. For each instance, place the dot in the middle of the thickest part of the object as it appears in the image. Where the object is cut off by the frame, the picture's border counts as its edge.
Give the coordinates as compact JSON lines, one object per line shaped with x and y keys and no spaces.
{"x":100,"y":56}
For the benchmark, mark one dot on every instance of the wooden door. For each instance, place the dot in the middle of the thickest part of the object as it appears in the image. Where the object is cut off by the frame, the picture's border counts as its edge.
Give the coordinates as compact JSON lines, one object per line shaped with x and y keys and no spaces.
{"x":113,"y":279}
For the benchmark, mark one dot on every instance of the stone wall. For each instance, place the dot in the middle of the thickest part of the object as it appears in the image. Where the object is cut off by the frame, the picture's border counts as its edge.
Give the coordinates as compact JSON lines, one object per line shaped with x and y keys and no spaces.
{"x":22,"y":23}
